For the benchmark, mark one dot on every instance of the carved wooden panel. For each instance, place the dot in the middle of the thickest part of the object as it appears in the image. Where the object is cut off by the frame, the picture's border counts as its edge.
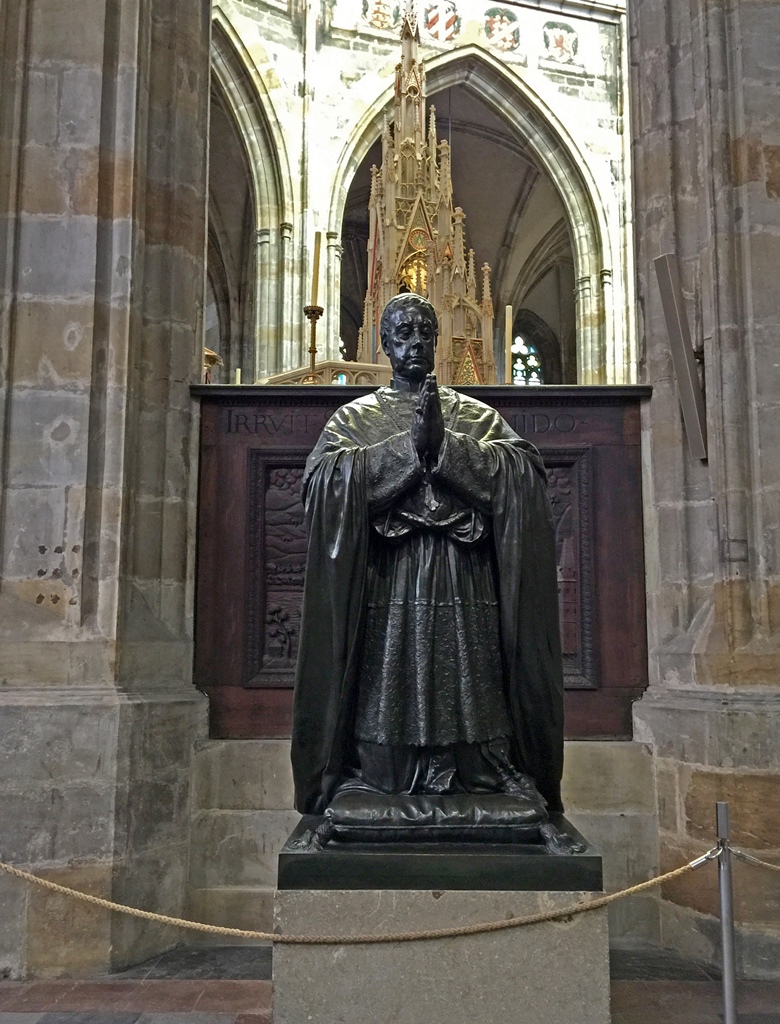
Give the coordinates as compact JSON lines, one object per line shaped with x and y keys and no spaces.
{"x":570,"y":489}
{"x":277,"y":556}
{"x":251,"y":545}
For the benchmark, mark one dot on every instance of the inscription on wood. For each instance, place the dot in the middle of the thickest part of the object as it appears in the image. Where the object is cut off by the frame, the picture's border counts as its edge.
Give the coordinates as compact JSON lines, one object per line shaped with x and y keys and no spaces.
{"x":276,"y":425}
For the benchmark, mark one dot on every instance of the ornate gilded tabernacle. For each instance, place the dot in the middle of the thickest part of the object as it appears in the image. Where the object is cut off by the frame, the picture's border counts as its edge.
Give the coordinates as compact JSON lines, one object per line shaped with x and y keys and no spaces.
{"x":417,"y":239}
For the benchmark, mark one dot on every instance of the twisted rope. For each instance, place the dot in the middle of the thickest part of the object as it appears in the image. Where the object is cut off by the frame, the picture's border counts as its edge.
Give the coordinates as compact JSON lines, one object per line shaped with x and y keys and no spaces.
{"x":565,"y":913}
{"x":754,"y":860}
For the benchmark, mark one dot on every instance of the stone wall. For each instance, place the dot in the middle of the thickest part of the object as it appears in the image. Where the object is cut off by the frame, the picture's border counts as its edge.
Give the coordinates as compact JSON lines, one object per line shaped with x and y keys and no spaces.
{"x":705,"y":89}
{"x":242,"y":817}
{"x":102,"y":229}
{"x":609,"y":794}
{"x":710,"y":747}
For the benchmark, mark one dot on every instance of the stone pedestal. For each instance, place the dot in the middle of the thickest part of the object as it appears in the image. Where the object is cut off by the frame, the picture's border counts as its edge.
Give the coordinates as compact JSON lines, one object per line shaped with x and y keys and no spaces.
{"x":550,"y":973}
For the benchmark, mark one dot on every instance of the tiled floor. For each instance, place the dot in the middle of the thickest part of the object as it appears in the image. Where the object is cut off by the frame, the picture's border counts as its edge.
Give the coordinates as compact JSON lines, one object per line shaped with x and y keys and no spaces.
{"x":656,"y":986}
{"x":221,"y":985}
{"x":231,"y":985}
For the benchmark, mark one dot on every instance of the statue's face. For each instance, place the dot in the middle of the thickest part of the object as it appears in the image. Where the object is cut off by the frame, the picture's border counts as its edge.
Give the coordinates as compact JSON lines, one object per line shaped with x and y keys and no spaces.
{"x":410,"y":342}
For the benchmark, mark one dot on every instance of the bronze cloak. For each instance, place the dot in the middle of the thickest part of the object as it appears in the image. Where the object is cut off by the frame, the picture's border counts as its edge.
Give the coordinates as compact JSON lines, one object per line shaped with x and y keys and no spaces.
{"x":335,"y":494}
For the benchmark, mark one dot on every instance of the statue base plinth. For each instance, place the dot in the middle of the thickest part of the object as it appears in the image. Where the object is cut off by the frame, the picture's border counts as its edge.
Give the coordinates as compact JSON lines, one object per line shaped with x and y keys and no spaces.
{"x":548,"y":973}
{"x":438,"y":865}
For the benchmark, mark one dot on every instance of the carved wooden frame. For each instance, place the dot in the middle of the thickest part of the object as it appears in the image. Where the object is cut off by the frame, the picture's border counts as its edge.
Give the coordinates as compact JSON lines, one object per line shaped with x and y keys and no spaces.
{"x":581,"y":675}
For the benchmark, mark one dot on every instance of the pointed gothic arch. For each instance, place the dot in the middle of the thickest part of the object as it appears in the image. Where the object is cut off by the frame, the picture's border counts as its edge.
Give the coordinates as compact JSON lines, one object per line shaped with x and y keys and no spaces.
{"x":557,"y":154}
{"x":551,"y":256}
{"x":243,"y":93}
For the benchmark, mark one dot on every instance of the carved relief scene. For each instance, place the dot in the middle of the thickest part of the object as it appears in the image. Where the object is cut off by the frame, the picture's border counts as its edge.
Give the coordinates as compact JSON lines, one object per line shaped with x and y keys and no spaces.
{"x":570,"y":488}
{"x":281,"y":547}
{"x":277,"y":538}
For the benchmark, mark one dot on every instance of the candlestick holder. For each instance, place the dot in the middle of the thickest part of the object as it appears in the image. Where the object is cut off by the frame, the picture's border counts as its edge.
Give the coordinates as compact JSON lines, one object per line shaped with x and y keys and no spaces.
{"x":313,"y":313}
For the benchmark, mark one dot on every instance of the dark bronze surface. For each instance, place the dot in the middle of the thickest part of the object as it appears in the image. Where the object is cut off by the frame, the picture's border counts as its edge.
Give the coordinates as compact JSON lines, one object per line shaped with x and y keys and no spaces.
{"x":429,"y":661}
{"x":485,"y":866}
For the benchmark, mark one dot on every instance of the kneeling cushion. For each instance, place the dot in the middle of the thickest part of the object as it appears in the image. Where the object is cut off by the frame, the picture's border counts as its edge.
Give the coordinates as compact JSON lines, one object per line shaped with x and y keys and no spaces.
{"x":363,"y":816}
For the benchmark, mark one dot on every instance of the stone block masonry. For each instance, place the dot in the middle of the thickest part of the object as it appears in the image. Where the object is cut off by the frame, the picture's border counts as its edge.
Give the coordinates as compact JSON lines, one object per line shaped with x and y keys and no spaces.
{"x":705,"y":91}
{"x":242,"y":805}
{"x":102,"y":227}
{"x":710,"y":747}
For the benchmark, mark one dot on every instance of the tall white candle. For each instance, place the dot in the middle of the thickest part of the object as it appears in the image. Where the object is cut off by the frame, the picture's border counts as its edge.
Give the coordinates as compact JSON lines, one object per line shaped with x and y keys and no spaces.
{"x":508,"y":346}
{"x":238,"y":375}
{"x":315,"y":274}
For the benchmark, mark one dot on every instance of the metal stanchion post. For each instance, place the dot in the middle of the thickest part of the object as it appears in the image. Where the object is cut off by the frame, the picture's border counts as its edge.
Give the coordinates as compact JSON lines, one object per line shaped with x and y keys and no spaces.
{"x":726,"y":913}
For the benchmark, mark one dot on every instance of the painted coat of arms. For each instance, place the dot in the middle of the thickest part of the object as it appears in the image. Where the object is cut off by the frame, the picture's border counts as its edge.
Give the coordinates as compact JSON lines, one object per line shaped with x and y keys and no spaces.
{"x":442,"y":20}
{"x":560,"y":41}
{"x":382,"y":14}
{"x":502,"y":29}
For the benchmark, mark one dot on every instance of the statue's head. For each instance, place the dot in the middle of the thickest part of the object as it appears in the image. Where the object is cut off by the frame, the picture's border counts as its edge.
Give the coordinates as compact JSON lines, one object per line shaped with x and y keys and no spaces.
{"x":409,"y":329}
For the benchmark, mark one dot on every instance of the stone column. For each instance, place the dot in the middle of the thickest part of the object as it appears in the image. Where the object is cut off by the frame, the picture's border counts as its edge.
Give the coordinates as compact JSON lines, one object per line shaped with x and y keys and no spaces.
{"x":265,"y":311}
{"x":286,"y":347}
{"x":589,"y":354}
{"x":102,"y":229}
{"x":331,"y":342}
{"x":705,"y":92}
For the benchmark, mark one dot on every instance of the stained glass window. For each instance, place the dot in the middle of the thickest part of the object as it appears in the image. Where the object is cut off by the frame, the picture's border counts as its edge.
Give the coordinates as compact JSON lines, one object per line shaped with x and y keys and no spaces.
{"x":526,"y":364}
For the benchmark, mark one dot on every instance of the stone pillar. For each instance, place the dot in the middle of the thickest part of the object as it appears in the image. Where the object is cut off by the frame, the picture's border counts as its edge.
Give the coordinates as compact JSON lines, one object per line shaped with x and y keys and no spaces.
{"x":590,"y":355}
{"x":265,"y":312}
{"x":330,"y":344}
{"x":102,"y":229}
{"x":288,"y":315}
{"x":705,"y":93}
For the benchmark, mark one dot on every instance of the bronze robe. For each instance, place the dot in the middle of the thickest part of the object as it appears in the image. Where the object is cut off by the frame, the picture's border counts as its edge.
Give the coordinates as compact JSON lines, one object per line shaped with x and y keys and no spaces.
{"x":430,"y":669}
{"x":430,"y":611}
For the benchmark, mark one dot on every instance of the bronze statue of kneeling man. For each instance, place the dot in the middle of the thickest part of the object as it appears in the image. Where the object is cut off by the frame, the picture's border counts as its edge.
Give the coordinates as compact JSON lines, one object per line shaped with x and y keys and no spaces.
{"x":429,"y":687}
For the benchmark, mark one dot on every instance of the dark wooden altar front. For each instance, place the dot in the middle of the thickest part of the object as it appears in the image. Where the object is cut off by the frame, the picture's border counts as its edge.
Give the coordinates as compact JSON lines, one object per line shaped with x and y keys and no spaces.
{"x":252,"y":545}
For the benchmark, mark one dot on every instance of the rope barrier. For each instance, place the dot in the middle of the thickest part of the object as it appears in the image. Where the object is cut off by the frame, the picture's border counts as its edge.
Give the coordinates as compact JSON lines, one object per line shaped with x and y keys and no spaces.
{"x":750,"y":859}
{"x":563,"y":914}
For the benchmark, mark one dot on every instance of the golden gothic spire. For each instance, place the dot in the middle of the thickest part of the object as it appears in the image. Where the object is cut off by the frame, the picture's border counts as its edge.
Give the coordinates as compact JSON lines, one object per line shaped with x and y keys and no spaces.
{"x":417,"y":240}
